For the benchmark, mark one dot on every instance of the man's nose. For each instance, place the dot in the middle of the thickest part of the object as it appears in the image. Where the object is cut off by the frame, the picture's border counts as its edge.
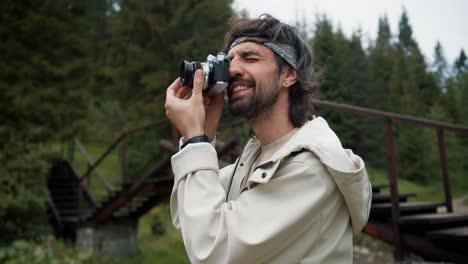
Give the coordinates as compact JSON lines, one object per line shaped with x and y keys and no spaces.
{"x":235,"y":69}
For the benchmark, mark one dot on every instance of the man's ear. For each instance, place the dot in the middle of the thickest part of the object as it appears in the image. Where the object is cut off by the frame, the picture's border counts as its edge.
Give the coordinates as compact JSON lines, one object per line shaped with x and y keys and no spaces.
{"x":288,"y":76}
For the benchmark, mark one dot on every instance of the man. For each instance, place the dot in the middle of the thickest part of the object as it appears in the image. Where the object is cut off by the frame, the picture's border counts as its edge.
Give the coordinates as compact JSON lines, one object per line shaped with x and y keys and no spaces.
{"x":294,"y":195}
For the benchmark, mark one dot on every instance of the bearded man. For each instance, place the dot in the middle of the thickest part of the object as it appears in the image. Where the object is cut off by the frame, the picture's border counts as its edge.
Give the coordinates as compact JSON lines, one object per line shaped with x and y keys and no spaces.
{"x":294,"y":195}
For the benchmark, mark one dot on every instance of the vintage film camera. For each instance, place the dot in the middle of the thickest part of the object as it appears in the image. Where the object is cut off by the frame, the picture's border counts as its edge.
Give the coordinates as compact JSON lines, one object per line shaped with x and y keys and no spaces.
{"x":215,"y":72}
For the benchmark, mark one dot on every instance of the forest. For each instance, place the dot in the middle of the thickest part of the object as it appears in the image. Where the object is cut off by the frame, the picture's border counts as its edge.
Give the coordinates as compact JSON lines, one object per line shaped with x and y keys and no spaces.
{"x":91,"y":69}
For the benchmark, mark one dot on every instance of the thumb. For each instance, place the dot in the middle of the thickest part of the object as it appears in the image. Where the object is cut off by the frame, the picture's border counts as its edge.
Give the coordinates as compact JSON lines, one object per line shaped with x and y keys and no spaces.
{"x":198,"y":84}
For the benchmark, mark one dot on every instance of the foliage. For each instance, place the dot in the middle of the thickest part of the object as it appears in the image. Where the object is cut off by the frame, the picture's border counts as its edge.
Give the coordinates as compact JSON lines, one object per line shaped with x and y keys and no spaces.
{"x":49,"y":251}
{"x":43,"y":68}
{"x":392,"y":75}
{"x":159,"y":241}
{"x":88,"y":68}
{"x":145,"y":44}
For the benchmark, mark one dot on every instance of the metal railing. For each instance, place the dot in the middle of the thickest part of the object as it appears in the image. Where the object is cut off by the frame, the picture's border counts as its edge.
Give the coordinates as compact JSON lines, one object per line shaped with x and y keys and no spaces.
{"x":92,"y":166}
{"x":122,"y":139}
{"x":390,"y":119}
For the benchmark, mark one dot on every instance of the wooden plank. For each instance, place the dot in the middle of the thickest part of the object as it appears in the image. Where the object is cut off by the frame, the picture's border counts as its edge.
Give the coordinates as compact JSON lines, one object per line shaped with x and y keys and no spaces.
{"x":427,"y":222}
{"x":452,"y":239}
{"x":376,"y":188}
{"x":429,"y":219}
{"x":418,"y":244}
{"x":383,"y":210}
{"x":386,"y":198}
{"x":459,"y":232}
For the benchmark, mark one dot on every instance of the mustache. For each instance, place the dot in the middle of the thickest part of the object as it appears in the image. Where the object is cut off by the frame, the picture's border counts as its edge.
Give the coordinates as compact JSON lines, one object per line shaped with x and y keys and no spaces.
{"x":247,"y":81}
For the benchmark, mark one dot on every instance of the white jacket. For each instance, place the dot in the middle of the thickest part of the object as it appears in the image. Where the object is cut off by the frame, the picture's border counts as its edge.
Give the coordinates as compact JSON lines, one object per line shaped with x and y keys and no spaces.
{"x":302,"y":206}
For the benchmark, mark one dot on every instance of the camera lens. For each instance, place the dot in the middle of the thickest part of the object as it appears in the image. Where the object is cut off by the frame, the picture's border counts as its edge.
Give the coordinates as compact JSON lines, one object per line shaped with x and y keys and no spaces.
{"x":187,"y":70}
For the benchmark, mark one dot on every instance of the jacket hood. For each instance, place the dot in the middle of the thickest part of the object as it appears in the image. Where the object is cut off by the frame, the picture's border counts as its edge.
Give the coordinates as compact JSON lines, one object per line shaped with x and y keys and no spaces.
{"x":347,"y":169}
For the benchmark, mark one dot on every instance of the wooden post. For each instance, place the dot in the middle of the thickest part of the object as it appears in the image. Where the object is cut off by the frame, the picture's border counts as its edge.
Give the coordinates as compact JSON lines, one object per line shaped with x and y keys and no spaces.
{"x":444,"y":168}
{"x":391,"y":168}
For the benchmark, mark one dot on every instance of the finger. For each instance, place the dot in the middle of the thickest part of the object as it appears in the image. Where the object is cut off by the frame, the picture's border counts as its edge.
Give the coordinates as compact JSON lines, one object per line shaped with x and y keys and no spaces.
{"x":187,"y":95}
{"x":173,"y":88}
{"x":181,"y":93}
{"x":198,"y":85}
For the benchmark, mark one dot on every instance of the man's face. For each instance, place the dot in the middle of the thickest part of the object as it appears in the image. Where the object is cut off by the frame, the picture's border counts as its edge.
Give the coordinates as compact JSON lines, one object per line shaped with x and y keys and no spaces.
{"x":254,"y":80}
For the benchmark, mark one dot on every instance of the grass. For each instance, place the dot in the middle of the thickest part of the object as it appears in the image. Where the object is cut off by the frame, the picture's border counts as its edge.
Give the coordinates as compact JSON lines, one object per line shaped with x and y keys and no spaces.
{"x":159,"y":241}
{"x":109,"y":168}
{"x":429,"y":192}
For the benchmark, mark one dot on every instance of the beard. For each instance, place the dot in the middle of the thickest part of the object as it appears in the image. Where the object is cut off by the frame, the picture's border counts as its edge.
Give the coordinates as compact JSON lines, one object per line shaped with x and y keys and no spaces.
{"x":260,"y":103}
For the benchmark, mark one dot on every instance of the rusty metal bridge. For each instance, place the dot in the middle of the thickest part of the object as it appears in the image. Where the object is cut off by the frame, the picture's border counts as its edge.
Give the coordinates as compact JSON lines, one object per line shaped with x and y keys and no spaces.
{"x":431,"y":230}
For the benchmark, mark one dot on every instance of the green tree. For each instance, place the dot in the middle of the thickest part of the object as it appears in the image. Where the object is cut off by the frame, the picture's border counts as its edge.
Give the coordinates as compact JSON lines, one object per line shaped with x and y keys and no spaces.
{"x":141,"y":47}
{"x":148,"y":42}
{"x":381,"y":57}
{"x":325,"y":48}
{"x":440,"y":66}
{"x":463,"y":86}
{"x":328,"y":47}
{"x":43,"y":75}
{"x":413,"y":90}
{"x":461,"y":64}
{"x":355,"y":86}
{"x":346,"y":80}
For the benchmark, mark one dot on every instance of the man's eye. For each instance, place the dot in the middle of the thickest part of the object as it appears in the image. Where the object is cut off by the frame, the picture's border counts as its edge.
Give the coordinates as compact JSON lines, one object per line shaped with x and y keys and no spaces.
{"x":250,"y":59}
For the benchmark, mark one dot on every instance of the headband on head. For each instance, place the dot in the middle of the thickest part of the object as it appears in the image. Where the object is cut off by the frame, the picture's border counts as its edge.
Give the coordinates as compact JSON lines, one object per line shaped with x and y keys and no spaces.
{"x":285,"y":51}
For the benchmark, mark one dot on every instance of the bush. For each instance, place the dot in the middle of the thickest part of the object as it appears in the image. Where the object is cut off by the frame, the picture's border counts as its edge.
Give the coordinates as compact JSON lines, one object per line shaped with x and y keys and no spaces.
{"x":49,"y":251}
{"x":23,"y":192}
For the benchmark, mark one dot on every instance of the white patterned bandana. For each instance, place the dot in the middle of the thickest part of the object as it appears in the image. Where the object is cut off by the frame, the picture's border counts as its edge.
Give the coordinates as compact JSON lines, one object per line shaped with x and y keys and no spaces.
{"x":285,"y":51}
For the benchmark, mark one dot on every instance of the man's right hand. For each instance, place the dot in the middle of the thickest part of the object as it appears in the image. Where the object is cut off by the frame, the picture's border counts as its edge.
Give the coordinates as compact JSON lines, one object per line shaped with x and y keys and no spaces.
{"x":197,"y":114}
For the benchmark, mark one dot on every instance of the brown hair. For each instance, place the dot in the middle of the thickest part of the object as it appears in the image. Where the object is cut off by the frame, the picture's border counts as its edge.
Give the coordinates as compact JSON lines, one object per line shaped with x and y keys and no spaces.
{"x":270,"y":28}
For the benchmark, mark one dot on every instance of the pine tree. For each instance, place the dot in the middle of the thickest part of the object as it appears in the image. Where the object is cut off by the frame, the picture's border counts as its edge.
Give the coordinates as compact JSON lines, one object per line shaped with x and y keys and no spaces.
{"x":463,"y":87}
{"x":412,"y":91}
{"x":326,"y":44}
{"x":346,"y":80}
{"x":148,"y":42}
{"x":461,"y":64}
{"x":380,"y":60}
{"x":144,"y":45}
{"x":459,"y":86}
{"x":43,"y":70}
{"x":440,"y":67}
{"x":326,"y":50}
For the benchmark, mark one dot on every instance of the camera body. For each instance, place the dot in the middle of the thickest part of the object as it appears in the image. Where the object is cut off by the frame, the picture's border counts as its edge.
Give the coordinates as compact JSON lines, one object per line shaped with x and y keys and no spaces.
{"x":215,"y":73}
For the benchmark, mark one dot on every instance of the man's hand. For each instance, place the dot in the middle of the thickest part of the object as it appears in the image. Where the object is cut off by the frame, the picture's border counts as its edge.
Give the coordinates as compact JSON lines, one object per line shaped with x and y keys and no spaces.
{"x":195,"y":115}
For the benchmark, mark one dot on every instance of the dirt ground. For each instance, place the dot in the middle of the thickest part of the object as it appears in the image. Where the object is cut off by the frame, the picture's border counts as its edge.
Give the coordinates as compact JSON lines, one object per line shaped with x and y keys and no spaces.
{"x":374,"y":251}
{"x":461,"y":204}
{"x":369,"y":250}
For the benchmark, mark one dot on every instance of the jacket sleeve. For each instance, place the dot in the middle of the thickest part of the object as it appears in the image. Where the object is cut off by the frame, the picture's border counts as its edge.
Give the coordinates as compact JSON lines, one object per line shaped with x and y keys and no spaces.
{"x":251,"y":229}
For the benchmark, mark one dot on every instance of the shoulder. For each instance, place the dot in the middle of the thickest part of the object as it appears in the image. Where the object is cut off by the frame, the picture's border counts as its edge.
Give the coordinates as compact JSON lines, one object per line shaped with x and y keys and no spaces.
{"x":304,"y":158}
{"x":303,"y":163}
